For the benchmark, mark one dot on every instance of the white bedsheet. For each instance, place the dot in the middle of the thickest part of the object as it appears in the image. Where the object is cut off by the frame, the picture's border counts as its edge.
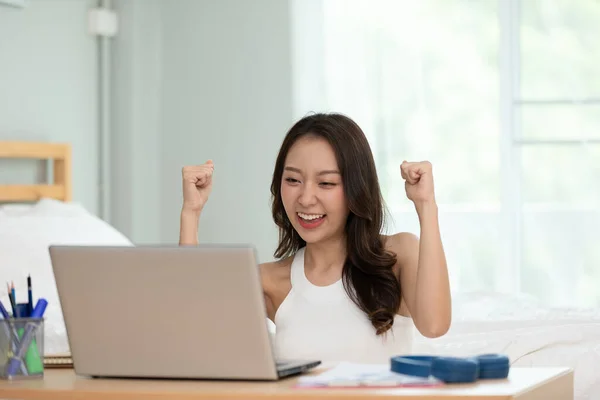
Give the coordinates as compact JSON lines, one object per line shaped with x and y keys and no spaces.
{"x":26,"y":231}
{"x":529,"y":333}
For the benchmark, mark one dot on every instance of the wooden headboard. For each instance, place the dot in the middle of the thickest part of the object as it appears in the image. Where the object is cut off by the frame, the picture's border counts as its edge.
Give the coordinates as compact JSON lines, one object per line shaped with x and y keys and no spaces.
{"x":60,"y":154}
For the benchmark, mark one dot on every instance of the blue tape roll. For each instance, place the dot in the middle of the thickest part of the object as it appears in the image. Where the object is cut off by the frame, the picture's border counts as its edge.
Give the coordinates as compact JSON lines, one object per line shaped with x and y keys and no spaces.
{"x":413,"y":365}
{"x":453,"y":369}
{"x":493,"y":366}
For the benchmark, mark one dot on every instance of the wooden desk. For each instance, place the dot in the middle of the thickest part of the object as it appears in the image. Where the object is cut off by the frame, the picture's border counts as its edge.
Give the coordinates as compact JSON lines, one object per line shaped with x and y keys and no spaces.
{"x":522,"y":384}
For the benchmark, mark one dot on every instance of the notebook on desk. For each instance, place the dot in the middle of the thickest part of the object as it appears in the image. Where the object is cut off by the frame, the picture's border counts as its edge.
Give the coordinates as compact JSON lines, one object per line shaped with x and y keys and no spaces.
{"x":355,"y":375}
{"x":58,"y":361}
{"x":167,"y":312}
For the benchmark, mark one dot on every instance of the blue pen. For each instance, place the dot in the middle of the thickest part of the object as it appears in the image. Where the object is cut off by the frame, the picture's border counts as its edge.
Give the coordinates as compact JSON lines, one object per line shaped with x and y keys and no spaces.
{"x":29,"y":297}
{"x":13,"y":304}
{"x":5,"y":316}
{"x":14,"y":297}
{"x":11,"y":334}
{"x":15,"y":361}
{"x":3,"y":311}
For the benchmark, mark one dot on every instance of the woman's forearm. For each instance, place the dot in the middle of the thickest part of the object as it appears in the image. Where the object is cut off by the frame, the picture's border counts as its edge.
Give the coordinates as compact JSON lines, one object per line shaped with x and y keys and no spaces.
{"x":432,"y":300}
{"x":188,"y":228}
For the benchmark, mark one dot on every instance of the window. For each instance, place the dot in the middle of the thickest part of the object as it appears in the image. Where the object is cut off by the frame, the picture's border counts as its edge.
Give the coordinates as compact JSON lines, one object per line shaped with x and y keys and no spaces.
{"x":503,"y":98}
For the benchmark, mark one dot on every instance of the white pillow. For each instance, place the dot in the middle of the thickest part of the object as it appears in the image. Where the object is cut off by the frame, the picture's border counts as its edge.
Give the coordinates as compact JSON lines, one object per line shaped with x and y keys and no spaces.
{"x":26,"y":232}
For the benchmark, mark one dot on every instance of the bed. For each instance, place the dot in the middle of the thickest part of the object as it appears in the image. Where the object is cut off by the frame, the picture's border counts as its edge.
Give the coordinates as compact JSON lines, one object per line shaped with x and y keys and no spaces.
{"x":35,"y":216}
{"x":530,"y":333}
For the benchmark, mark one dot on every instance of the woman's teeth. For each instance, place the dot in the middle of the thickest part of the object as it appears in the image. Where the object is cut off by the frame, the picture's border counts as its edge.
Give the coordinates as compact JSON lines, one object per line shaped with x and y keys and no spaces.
{"x":310,"y":217}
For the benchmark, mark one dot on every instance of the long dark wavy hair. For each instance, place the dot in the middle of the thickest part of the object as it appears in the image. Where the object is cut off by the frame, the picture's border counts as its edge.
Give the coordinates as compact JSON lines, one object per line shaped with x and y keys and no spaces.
{"x":367,"y":274}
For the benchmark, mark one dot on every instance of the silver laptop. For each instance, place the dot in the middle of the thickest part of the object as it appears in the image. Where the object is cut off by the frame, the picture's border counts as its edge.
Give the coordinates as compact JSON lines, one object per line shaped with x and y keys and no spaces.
{"x":167,"y":312}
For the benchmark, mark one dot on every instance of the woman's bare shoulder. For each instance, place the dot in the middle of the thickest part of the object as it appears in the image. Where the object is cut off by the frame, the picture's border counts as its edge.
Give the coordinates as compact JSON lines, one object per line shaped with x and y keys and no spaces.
{"x":400,"y":244}
{"x":272,"y":273}
{"x":276,"y":283}
{"x":399,"y":238}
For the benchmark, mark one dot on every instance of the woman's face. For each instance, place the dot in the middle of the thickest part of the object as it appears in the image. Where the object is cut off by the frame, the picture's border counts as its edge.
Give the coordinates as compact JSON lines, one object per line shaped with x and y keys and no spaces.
{"x":312,"y":191}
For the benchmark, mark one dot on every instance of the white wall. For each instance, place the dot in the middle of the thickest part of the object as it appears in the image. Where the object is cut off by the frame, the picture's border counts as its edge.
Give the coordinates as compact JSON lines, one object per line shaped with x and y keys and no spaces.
{"x":48,"y":91}
{"x":136,"y":65}
{"x":191,"y":80}
{"x":226,"y":95}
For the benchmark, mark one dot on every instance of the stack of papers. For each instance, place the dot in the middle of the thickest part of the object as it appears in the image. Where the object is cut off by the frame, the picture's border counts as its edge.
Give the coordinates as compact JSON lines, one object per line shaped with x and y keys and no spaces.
{"x":371,"y":375}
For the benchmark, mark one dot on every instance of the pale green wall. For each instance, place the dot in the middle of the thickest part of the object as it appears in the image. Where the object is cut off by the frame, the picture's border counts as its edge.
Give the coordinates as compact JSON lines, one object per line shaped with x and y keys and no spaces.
{"x":48,"y":91}
{"x":190,"y":80}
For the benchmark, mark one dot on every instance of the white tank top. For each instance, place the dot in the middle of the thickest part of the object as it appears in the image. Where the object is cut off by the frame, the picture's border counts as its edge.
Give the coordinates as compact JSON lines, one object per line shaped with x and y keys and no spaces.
{"x":323,"y":323}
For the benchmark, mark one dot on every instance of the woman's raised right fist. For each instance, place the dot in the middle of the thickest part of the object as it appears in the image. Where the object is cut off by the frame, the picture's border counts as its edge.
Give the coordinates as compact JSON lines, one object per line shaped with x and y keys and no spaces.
{"x":197,"y":185}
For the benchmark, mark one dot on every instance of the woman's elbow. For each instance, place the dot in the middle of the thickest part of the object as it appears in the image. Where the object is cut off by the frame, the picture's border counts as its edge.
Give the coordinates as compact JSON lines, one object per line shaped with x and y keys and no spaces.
{"x":435,"y":329}
{"x":433,"y":333}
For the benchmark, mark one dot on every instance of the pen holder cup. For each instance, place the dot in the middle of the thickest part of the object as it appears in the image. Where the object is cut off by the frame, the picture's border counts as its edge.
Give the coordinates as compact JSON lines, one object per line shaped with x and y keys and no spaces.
{"x":22,"y":348}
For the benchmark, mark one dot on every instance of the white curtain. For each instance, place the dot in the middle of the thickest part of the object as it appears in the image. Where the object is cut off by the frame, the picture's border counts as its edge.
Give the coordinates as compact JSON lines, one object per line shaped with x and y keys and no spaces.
{"x":503,"y":97}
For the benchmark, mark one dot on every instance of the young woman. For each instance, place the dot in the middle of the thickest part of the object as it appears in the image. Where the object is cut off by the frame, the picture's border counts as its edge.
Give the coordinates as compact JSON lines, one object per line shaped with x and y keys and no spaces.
{"x":340,"y":290}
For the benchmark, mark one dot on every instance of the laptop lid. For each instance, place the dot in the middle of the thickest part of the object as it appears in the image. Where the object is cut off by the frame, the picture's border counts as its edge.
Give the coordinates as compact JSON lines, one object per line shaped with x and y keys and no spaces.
{"x":173,"y":312}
